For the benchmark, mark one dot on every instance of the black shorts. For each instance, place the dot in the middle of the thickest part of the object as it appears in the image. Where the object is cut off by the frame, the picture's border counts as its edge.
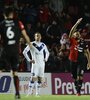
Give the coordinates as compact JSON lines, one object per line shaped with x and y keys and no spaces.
{"x":78,"y":68}
{"x":82,"y":64}
{"x":73,"y":69}
{"x":82,"y":61}
{"x":11,"y":60}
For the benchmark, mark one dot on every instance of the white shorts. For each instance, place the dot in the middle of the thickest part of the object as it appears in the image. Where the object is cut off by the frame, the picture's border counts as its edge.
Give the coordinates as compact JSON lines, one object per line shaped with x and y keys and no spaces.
{"x":38,"y":70}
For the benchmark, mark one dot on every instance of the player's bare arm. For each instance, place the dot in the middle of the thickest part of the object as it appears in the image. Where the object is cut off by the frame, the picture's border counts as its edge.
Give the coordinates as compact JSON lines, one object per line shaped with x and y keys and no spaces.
{"x":26,"y":37}
{"x":73,"y":29}
{"x":87,"y":53}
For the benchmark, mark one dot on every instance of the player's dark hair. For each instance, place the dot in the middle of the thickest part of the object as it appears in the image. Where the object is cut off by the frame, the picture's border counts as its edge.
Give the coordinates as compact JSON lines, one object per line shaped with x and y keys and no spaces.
{"x":8,"y":11}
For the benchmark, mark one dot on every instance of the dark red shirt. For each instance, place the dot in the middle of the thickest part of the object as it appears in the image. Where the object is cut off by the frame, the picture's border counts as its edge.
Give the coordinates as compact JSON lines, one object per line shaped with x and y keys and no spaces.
{"x":73,"y":51}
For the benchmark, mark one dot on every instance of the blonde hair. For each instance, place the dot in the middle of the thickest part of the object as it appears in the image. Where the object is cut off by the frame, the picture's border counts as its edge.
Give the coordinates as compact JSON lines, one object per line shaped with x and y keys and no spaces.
{"x":75,"y":34}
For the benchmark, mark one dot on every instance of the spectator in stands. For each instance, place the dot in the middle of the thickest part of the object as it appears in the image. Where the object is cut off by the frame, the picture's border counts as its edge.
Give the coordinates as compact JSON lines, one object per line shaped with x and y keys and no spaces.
{"x":56,"y":5}
{"x":64,"y":51}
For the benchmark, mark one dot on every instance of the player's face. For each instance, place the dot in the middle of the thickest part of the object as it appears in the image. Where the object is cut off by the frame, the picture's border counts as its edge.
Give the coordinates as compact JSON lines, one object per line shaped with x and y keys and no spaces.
{"x":38,"y":37}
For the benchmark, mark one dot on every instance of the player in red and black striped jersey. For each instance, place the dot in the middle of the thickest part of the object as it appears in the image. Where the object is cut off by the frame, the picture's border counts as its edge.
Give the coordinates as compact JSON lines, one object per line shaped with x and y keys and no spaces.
{"x":78,"y":60}
{"x":11,"y":31}
{"x":83,"y":62}
{"x":73,"y":56}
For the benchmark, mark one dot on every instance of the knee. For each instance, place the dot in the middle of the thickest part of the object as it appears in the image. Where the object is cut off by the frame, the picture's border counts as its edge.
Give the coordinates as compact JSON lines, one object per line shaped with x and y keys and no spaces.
{"x":14,"y":73}
{"x":39,"y":80}
{"x":34,"y":78}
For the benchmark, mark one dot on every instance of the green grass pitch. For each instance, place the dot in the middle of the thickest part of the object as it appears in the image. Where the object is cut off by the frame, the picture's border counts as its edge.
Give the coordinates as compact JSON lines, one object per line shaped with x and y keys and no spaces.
{"x":46,"y":97}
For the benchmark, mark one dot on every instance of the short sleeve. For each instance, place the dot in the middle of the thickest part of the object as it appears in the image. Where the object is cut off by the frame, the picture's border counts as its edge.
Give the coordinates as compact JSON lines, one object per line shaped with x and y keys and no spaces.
{"x":21,"y":25}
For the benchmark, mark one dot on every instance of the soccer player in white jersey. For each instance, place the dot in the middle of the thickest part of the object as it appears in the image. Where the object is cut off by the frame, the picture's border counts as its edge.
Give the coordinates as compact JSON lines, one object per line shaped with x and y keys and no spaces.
{"x":40,"y":55}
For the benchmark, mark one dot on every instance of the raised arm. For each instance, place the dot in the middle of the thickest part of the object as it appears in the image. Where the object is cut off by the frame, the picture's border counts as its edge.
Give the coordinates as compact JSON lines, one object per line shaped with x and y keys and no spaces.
{"x":73,"y":29}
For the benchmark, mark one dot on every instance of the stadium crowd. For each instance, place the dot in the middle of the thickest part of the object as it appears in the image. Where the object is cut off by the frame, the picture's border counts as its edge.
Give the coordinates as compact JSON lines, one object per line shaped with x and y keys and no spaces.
{"x":53,"y":19}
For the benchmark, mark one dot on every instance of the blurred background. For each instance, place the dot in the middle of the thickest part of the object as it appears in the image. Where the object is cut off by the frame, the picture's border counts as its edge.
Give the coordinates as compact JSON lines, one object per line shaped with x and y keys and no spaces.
{"x":52,"y":18}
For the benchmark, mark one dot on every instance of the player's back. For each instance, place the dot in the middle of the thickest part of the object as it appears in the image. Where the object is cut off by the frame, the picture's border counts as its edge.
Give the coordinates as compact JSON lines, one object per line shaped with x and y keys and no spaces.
{"x":10,"y":33}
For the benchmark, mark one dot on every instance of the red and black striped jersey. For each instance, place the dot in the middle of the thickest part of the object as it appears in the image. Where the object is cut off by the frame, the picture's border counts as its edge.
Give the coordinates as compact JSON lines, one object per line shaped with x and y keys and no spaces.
{"x":10,"y":31}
